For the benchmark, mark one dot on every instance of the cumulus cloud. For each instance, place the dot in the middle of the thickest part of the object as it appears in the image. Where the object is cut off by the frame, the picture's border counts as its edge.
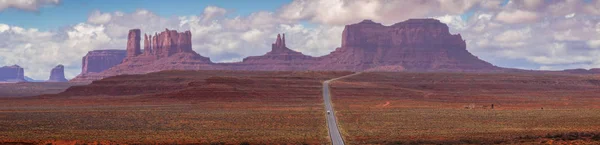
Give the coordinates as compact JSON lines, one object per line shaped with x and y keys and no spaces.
{"x":517,"y":16}
{"x":99,"y":18}
{"x":223,"y":39}
{"x":39,"y":51}
{"x":545,"y":34}
{"x":593,"y":43}
{"x":342,"y":12}
{"x":514,"y":35}
{"x":28,"y":5}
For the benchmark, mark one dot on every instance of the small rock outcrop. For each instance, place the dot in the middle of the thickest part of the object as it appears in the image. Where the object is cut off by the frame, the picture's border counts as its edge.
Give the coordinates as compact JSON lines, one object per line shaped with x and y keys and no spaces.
{"x":57,"y":74}
{"x":12,"y":73}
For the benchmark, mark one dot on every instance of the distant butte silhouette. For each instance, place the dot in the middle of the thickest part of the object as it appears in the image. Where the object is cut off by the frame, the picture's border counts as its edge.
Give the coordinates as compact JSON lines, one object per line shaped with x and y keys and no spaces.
{"x":415,"y":45}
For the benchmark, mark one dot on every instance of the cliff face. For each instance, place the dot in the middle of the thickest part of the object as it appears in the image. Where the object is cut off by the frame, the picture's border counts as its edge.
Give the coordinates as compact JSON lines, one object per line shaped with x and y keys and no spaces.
{"x":133,"y":43}
{"x":167,"y":43}
{"x":12,"y":73}
{"x":99,"y":60}
{"x":57,"y":74}
{"x":413,"y":45}
{"x":167,"y":50}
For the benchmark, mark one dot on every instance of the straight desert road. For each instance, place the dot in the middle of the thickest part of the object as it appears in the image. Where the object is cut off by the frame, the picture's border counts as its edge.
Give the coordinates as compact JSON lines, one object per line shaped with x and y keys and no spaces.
{"x":334,"y":132}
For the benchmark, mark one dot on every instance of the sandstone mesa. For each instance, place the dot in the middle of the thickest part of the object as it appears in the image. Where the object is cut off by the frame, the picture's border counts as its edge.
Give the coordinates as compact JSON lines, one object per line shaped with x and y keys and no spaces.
{"x":419,"y":45}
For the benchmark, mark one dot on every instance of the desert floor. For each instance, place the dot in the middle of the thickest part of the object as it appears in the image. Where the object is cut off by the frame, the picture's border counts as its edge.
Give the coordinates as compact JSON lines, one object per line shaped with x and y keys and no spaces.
{"x":239,"y":107}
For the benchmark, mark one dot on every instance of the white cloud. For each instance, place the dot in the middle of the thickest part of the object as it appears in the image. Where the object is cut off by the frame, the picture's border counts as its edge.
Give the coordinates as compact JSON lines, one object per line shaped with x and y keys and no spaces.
{"x":342,"y":12}
{"x":4,"y":27}
{"x":543,"y":33}
{"x":212,"y":11}
{"x":517,"y":16}
{"x":453,"y":21}
{"x":457,"y":6}
{"x":252,"y":35}
{"x":593,"y":43}
{"x":29,"y":5}
{"x":570,"y":15}
{"x":514,"y":35}
{"x":99,"y":18}
{"x":39,"y":51}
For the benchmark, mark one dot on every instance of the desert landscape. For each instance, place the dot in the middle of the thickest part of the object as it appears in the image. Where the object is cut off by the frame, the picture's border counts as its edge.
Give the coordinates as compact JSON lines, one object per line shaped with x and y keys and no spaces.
{"x":468,"y":108}
{"x":206,"y":107}
{"x":256,"y":107}
{"x":395,"y":75}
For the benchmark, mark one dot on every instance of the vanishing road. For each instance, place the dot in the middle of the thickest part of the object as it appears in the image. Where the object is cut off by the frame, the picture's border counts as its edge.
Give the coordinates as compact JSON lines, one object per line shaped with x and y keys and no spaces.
{"x":334,"y":132}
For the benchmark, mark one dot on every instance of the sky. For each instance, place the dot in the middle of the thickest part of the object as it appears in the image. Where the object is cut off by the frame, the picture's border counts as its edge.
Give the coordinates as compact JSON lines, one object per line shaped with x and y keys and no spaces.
{"x":526,"y":34}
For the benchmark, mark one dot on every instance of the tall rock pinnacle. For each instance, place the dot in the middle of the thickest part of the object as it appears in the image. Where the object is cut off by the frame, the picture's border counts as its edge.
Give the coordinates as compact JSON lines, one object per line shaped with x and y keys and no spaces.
{"x":133,"y":43}
{"x":147,"y":43}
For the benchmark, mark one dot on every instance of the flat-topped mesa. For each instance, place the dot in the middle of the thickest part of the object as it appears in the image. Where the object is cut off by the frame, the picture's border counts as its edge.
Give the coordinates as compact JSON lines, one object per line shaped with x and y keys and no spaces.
{"x":57,"y":74}
{"x":412,"y":32}
{"x":133,"y":43}
{"x":99,"y":60}
{"x":12,"y":73}
{"x":413,"y":45}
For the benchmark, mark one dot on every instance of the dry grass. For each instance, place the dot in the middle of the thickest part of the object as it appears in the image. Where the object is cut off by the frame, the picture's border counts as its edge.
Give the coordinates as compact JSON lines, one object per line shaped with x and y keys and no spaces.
{"x":173,"y":123}
{"x":388,"y":108}
{"x":231,"y":107}
{"x":33,"y":88}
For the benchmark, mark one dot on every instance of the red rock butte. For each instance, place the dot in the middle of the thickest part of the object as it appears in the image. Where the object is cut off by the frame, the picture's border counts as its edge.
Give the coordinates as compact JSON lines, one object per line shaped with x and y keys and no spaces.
{"x":419,"y":45}
{"x":12,"y":73}
{"x":57,"y":74}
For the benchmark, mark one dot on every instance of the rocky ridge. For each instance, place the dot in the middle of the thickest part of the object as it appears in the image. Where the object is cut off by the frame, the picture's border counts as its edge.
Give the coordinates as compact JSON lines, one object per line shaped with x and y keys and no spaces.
{"x":418,"y":45}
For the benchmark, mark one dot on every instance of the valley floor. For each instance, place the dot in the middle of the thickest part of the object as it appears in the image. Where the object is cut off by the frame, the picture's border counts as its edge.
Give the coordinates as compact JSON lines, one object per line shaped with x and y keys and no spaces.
{"x":238,"y":107}
{"x":440,"y":108}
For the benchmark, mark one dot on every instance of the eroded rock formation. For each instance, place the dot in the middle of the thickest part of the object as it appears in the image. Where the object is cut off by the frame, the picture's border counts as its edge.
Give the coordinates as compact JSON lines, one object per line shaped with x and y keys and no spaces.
{"x":169,"y":42}
{"x":12,"y":73}
{"x":57,"y":74}
{"x":279,"y":58}
{"x":413,"y":45}
{"x":168,"y":50}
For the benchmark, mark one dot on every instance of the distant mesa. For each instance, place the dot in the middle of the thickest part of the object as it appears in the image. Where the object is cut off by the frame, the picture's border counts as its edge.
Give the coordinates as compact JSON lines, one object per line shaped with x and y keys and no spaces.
{"x":279,"y":58}
{"x":12,"y":73}
{"x":419,"y":45}
{"x":172,"y":48}
{"x":415,"y":45}
{"x":57,"y":74}
{"x":100,"y":60}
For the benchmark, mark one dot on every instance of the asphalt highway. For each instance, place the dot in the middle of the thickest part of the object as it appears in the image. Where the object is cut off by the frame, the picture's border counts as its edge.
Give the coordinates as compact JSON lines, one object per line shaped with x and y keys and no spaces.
{"x":334,"y":132}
